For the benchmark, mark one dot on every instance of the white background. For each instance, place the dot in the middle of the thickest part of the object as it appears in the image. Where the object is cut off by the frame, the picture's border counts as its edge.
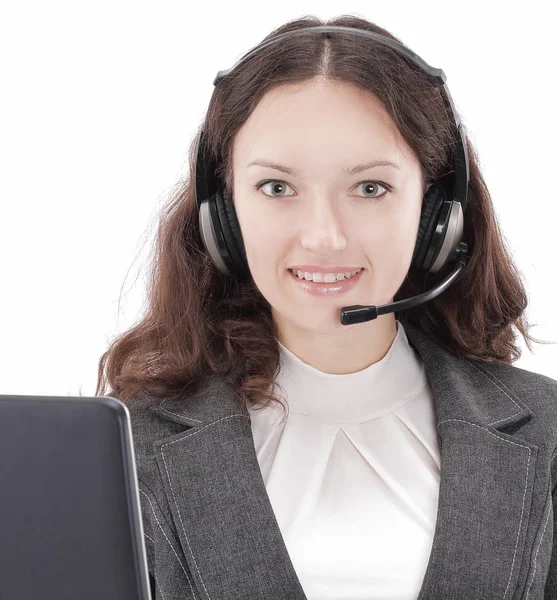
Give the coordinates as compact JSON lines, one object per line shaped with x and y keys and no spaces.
{"x":100,"y":102}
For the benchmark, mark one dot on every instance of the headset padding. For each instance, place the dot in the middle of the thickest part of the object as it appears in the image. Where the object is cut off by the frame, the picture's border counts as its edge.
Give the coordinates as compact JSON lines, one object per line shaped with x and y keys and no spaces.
{"x":432,"y":204}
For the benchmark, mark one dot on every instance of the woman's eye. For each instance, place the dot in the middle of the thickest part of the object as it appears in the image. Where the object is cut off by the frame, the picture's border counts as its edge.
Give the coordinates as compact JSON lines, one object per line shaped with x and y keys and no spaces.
{"x":370,"y":187}
{"x":277,"y":186}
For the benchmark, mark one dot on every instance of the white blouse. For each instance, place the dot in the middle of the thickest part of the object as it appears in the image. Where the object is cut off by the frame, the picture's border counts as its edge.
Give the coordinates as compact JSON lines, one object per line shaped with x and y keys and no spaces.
{"x":353,"y":474}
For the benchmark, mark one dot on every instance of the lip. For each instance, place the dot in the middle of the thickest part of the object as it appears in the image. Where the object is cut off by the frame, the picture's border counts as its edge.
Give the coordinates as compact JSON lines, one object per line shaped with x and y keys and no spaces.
{"x":336,"y":288}
{"x":317,"y":269}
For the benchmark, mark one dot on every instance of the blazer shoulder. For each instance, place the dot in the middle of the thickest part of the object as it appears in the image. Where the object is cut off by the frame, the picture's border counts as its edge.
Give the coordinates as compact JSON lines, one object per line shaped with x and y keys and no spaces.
{"x":530,"y":386}
{"x":147,"y":429}
{"x":535,"y":390}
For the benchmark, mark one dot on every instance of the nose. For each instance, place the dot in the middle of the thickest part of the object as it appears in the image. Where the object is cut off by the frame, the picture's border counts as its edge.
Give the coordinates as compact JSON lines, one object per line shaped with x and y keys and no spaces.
{"x":322,"y":231}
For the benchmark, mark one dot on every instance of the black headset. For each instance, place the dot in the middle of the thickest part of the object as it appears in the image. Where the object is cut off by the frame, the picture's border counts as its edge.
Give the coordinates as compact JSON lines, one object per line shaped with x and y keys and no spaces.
{"x":439,"y":239}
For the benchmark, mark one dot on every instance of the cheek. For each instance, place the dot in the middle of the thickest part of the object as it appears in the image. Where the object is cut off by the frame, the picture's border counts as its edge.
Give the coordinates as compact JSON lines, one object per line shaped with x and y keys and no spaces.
{"x":260,"y":235}
{"x":265,"y":241}
{"x":389,"y":244}
{"x":250,"y":223}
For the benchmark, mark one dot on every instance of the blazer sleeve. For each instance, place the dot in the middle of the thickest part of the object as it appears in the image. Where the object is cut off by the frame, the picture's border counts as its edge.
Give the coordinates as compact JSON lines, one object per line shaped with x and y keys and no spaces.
{"x":149,"y":540}
{"x":169,"y":575}
{"x":153,"y":587}
{"x":551,"y":582}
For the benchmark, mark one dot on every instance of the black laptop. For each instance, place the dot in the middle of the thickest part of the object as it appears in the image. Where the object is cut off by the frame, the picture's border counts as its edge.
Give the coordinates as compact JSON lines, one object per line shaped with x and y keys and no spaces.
{"x":70,"y":519}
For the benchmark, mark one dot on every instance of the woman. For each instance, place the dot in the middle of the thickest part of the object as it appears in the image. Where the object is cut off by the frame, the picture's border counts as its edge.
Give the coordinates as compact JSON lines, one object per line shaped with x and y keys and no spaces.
{"x":412,"y":459}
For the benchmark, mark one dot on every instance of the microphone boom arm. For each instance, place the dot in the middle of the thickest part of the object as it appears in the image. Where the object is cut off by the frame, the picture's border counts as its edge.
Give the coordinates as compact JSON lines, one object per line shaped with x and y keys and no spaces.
{"x":350,"y":315}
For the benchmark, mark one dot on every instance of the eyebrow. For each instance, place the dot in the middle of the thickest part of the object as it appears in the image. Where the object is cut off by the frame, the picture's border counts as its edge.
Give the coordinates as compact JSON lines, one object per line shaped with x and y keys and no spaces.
{"x":352,"y":171}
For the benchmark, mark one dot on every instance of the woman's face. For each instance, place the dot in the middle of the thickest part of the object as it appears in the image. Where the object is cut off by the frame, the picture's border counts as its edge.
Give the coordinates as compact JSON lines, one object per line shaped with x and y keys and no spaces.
{"x":320,"y":213}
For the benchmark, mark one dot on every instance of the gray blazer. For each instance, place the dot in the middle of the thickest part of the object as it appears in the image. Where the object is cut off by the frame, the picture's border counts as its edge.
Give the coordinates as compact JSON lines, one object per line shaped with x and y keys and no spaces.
{"x":211,"y":534}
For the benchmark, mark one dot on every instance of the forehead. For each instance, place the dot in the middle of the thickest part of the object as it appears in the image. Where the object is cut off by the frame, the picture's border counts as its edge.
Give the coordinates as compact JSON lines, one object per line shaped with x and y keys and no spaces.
{"x":320,"y":117}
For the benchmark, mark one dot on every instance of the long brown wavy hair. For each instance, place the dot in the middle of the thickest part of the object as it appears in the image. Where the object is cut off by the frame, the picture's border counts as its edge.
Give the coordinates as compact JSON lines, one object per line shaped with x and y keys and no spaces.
{"x":199,"y":321}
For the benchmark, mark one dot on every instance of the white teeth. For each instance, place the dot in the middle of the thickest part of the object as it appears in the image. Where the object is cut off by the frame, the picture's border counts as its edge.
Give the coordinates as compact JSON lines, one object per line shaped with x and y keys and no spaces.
{"x":324,"y":277}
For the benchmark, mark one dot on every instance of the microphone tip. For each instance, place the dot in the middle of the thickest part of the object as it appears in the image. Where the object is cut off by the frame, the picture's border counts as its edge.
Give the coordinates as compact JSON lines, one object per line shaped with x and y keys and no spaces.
{"x":350,"y":315}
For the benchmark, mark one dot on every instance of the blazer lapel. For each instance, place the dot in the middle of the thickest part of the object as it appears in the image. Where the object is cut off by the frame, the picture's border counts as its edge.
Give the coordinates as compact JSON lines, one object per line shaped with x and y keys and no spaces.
{"x":231,"y":538}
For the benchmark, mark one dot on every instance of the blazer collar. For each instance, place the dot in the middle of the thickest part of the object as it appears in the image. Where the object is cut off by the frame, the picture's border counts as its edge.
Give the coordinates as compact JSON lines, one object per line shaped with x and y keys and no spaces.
{"x":228,"y":530}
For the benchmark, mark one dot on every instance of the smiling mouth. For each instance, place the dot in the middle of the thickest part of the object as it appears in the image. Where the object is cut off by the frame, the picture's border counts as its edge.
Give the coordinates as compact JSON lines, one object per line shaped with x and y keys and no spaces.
{"x":321,"y":276}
